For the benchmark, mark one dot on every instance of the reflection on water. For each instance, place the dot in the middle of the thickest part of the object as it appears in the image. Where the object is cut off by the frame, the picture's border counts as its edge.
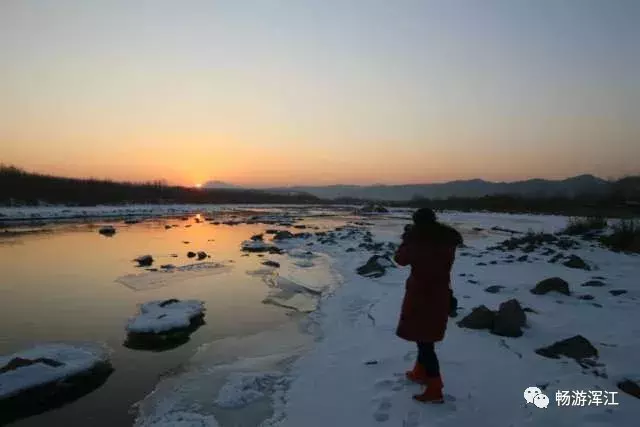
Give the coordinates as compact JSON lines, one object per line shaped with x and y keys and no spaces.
{"x":63,"y":286}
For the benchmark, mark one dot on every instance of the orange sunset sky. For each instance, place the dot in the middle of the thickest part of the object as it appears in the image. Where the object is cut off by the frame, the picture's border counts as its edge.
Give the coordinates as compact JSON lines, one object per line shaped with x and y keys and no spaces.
{"x":320,"y":92}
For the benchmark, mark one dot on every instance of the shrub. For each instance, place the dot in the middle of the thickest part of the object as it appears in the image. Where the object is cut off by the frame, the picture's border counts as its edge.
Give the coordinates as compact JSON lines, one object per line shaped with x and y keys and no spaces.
{"x":625,"y":236}
{"x":579,"y":226}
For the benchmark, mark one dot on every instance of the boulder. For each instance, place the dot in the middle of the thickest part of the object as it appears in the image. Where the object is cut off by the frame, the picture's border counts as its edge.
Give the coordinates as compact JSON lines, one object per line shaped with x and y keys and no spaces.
{"x":274,"y":250}
{"x":594,"y":284}
{"x":144,"y":260}
{"x":554,"y":284}
{"x":576,"y":262}
{"x":167,"y":227}
{"x":201,"y":255}
{"x":271,"y":231}
{"x":479,"y":318}
{"x":576,"y":347}
{"x":494,"y":289}
{"x":630,"y":387}
{"x":283,"y":235}
{"x":191,"y":254}
{"x":270,"y":263}
{"x":257,"y":237}
{"x":509,"y":320}
{"x":616,"y":292}
{"x":107,"y":230}
{"x":375,"y":267}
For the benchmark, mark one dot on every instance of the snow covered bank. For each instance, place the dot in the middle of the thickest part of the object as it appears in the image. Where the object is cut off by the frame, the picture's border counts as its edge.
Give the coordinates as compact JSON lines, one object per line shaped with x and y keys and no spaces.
{"x":354,"y":373}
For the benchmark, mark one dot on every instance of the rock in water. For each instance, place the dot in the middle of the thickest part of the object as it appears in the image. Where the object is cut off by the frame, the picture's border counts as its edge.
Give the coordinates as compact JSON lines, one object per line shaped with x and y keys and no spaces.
{"x":555,"y":284}
{"x":144,"y":260}
{"x":375,"y":267}
{"x":479,"y":318}
{"x":191,"y":254}
{"x":509,"y":320}
{"x":201,"y":255}
{"x":257,"y":237}
{"x":107,"y":230}
{"x":575,"y":261}
{"x":269,"y":263}
{"x":283,"y":235}
{"x":577,"y":348}
{"x":616,"y":292}
{"x":494,"y":289}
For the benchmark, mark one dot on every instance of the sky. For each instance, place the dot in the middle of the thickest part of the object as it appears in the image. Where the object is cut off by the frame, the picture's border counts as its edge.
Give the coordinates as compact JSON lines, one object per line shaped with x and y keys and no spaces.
{"x":267,"y":92}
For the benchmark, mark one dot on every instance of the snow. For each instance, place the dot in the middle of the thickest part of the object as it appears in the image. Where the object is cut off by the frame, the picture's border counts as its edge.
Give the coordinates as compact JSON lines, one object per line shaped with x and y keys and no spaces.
{"x":354,"y":373}
{"x":301,"y":253}
{"x":74,"y":359}
{"x":304,"y":263}
{"x":169,"y":276}
{"x":156,"y":318}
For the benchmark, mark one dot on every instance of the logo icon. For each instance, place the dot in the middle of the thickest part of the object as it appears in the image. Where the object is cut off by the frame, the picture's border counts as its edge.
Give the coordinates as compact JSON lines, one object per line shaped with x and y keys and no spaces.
{"x":534,"y":395}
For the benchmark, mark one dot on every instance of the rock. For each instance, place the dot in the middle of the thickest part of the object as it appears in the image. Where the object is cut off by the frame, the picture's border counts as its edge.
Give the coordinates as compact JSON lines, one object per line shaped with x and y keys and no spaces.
{"x":481,"y":264}
{"x":144,"y":260}
{"x":494,"y":289}
{"x":191,"y":254}
{"x":473,"y":282}
{"x":201,"y":255}
{"x":575,"y":261}
{"x":479,"y":318}
{"x":509,"y":320}
{"x":107,"y":230}
{"x":375,"y":267}
{"x":271,"y":231}
{"x":523,"y":258}
{"x":269,"y":263}
{"x":616,"y":292}
{"x":283,"y":235}
{"x":350,"y":250}
{"x":274,"y":250}
{"x":555,"y":284}
{"x":493,"y":262}
{"x":186,"y":242}
{"x":556,"y":258}
{"x":594,"y":284}
{"x":373,"y":208}
{"x":300,"y":227}
{"x":548,"y":252}
{"x":529,"y":248}
{"x":577,"y":348}
{"x":167,"y":227}
{"x":167,"y":266}
{"x":586,"y":297}
{"x":257,"y":237}
{"x":529,"y":310}
{"x":630,"y":387}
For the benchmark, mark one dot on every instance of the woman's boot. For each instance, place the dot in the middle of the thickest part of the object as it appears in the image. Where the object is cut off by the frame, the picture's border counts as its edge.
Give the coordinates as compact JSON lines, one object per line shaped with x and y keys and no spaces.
{"x":433,"y":392}
{"x":417,"y":374}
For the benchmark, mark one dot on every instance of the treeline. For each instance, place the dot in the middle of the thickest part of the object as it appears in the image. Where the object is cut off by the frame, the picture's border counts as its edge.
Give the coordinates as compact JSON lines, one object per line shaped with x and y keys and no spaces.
{"x":18,"y":187}
{"x":621,"y":200}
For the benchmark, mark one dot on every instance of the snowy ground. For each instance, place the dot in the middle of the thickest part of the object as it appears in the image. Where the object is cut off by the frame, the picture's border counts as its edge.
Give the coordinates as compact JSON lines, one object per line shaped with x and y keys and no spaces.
{"x":353,"y":375}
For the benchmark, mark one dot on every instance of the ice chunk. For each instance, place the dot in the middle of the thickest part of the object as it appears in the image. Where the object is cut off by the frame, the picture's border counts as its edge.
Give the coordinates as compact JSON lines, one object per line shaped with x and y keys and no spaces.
{"x":180,"y":419}
{"x":255,"y":246}
{"x":244,"y":388}
{"x":163,"y":316}
{"x":46,"y":364}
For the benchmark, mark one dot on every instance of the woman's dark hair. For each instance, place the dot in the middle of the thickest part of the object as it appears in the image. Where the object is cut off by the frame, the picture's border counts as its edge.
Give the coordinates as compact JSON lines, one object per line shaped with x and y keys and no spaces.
{"x":426,"y":227}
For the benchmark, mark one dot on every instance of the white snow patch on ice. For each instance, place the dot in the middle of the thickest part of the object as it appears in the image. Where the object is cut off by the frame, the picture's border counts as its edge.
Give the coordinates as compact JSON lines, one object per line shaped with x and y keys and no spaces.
{"x":165,"y":277}
{"x":73,"y":359}
{"x":180,"y":419}
{"x":155,"y":318}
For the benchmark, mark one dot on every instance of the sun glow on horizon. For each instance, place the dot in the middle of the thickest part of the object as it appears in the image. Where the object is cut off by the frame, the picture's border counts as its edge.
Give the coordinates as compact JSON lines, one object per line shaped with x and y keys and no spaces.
{"x":198,"y":185}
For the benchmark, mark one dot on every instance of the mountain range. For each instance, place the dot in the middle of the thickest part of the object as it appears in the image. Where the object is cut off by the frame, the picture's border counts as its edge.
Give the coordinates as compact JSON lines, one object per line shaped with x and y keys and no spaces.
{"x":582,"y":184}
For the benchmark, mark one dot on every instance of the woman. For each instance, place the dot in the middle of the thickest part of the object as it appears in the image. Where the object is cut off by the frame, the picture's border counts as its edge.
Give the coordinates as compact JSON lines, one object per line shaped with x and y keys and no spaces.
{"x":429,"y":247}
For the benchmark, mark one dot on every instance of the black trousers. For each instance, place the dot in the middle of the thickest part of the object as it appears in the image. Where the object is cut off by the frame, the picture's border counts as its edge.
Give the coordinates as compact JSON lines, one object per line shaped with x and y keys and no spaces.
{"x":428,"y":359}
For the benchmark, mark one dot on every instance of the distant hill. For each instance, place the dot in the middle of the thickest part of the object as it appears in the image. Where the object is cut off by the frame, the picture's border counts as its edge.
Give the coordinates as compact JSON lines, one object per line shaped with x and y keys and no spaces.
{"x":578,"y":185}
{"x":220,"y":184}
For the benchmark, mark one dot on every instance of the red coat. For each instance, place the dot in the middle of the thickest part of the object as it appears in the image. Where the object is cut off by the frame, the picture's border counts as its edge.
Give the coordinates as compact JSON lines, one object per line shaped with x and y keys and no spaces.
{"x":425,"y":308}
